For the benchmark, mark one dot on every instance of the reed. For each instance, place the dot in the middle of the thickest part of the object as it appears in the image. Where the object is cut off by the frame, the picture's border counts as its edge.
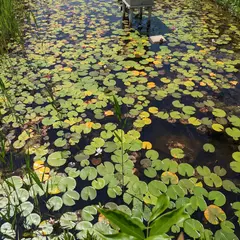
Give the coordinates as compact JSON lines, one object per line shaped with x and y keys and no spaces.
{"x":232,"y":5}
{"x":13,"y":14}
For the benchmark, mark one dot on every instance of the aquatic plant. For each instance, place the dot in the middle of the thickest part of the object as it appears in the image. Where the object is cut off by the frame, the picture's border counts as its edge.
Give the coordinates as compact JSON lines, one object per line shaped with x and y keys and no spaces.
{"x":157,"y":226}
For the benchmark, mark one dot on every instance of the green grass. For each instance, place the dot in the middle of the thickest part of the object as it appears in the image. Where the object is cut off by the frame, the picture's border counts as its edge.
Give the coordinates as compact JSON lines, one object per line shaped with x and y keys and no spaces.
{"x":232,"y":5}
{"x":12,"y":16}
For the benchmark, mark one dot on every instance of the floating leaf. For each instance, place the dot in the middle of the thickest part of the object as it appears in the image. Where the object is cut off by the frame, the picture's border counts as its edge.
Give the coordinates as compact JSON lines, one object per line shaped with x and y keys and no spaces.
{"x":69,"y":197}
{"x":208,"y":148}
{"x":193,"y":228}
{"x":217,"y":127}
{"x":218,"y":197}
{"x":54,"y":203}
{"x":185,"y":169}
{"x":99,"y":183}
{"x":88,"y":193}
{"x":56,"y":159}
{"x":214,"y":214}
{"x":219,"y":112}
{"x":177,"y":153}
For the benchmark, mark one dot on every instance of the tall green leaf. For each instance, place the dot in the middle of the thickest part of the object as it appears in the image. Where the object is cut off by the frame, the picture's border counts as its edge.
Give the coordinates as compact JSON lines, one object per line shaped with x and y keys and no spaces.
{"x":161,"y":205}
{"x":166,"y":221}
{"x":124,"y":222}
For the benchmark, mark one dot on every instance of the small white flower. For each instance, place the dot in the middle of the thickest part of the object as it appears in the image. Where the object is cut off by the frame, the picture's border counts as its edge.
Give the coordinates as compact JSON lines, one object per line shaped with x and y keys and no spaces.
{"x":98,"y":151}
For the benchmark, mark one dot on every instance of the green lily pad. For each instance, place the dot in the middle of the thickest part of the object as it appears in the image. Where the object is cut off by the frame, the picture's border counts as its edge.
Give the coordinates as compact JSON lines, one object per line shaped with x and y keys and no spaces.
{"x":70,"y":197}
{"x":56,"y":159}
{"x":208,"y":147}
{"x":218,"y":197}
{"x":54,"y":203}
{"x":88,"y":193}
{"x":193,"y":228}
{"x":177,"y":153}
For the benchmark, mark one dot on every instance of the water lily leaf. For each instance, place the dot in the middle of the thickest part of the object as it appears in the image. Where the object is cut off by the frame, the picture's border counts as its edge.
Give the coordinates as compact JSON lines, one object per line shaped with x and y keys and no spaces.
{"x":218,"y":197}
{"x":3,"y":202}
{"x":14,"y":182}
{"x":113,"y":192}
{"x":18,"y":196}
{"x":223,"y":235}
{"x":175,"y":191}
{"x":217,"y":127}
{"x":68,"y":220}
{"x":56,"y":159}
{"x":110,"y":147}
{"x":235,"y":166}
{"x":88,"y":212}
{"x":163,"y":115}
{"x":236,"y":156}
{"x":193,"y":228}
{"x":69,"y":197}
{"x":214,"y":214}
{"x":54,"y":203}
{"x":213,"y":180}
{"x":233,"y":132}
{"x":110,"y":126}
{"x":60,"y":142}
{"x":169,"y":177}
{"x":235,"y":121}
{"x":169,"y":165}
{"x":189,"y":110}
{"x":194,"y":121}
{"x":220,"y":171}
{"x":26,"y":208}
{"x":198,"y":202}
{"x":88,"y":193}
{"x":230,"y":186}
{"x":105,"y":168}
{"x":32,"y":219}
{"x":99,"y":183}
{"x":150,"y":172}
{"x":84,"y":225}
{"x":177,"y":153}
{"x":97,"y":142}
{"x":46,"y":227}
{"x":19,"y":144}
{"x":175,"y":115}
{"x":8,"y":231}
{"x":203,"y":171}
{"x":227,"y":226}
{"x":186,"y":169}
{"x":89,"y":150}
{"x":89,"y":173}
{"x":208,"y":147}
{"x":152,"y":154}
{"x":67,"y":184}
{"x":156,"y":188}
{"x":219,"y":112}
{"x":47,"y":121}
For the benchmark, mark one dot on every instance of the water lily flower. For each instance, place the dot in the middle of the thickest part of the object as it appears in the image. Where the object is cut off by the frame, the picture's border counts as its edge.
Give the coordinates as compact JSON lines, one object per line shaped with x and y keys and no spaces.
{"x":98,"y":151}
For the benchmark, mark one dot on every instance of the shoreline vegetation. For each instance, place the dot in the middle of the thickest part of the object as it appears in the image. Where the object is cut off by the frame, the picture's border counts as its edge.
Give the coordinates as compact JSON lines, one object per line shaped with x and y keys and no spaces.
{"x":13,"y":15}
{"x":233,"y":6}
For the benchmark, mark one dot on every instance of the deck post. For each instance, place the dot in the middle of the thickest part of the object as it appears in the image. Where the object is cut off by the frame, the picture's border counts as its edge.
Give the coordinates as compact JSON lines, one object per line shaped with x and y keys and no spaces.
{"x":130,"y":17}
{"x":149,"y":17}
{"x":140,"y":13}
{"x":123,"y":10}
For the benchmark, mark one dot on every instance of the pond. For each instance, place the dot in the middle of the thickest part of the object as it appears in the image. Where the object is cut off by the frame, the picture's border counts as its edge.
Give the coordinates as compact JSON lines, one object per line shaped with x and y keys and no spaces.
{"x":93,"y":113}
